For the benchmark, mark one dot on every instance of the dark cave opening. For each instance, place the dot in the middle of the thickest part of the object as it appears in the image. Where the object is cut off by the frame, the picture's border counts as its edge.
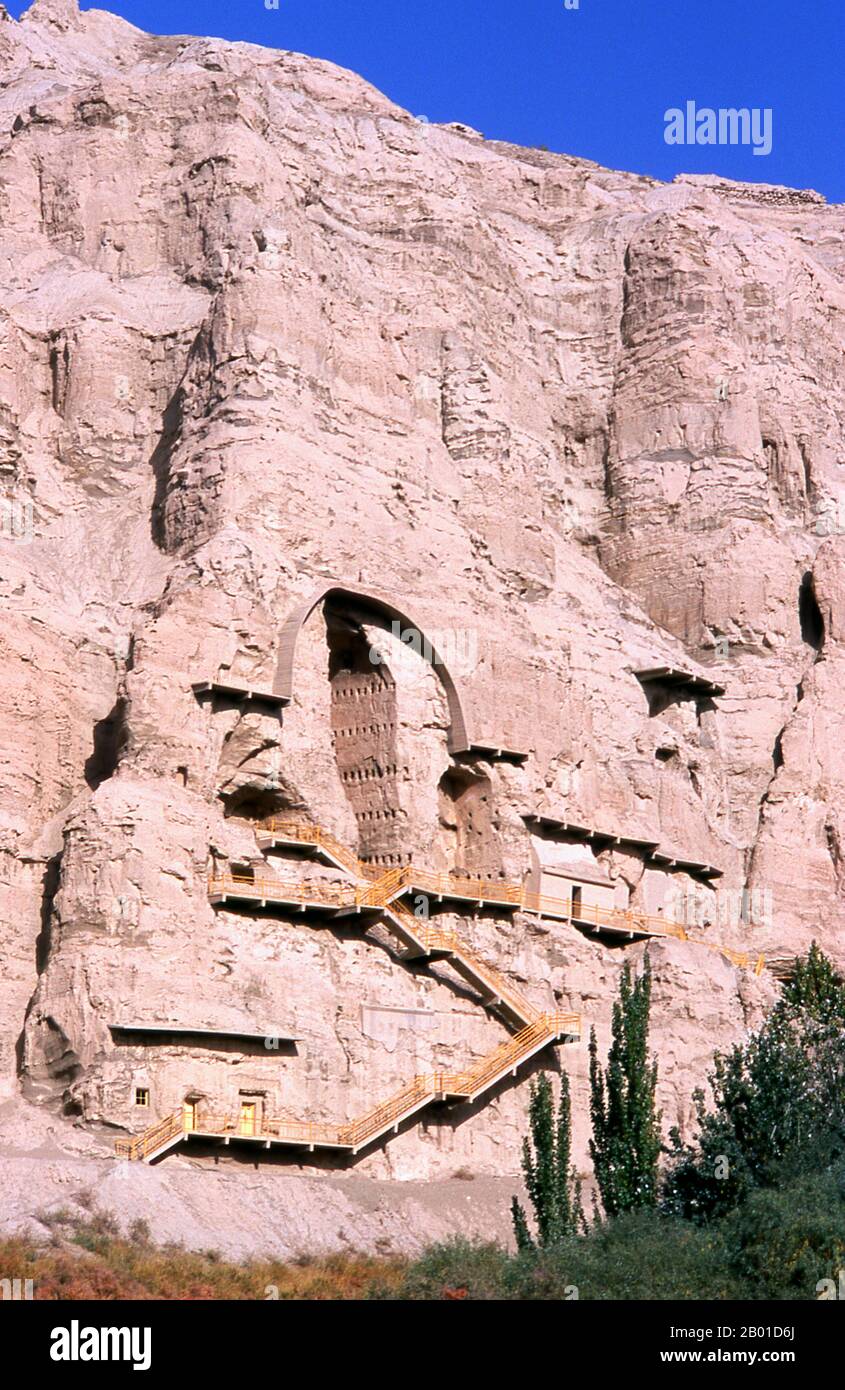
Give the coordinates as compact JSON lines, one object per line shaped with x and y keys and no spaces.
{"x":110,"y":738}
{"x":809,"y":613}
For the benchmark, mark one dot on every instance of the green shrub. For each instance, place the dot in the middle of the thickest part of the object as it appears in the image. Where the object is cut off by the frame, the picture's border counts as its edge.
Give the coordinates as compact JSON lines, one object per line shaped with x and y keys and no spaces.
{"x":778,"y":1102}
{"x":782,"y":1242}
{"x":457,"y":1269}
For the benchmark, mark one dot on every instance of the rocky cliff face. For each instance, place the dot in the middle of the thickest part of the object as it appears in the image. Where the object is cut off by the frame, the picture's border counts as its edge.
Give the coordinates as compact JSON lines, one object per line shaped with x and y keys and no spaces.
{"x":261,"y":330}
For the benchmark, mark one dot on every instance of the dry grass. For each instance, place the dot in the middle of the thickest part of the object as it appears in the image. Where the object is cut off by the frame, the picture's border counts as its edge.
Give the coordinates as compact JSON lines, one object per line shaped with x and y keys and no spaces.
{"x":87,"y":1257}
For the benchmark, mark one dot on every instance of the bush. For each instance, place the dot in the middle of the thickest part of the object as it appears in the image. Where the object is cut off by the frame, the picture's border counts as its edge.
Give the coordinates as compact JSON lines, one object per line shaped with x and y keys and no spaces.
{"x":779,"y":1103}
{"x":641,"y":1255}
{"x":782,"y":1242}
{"x":457,"y":1269}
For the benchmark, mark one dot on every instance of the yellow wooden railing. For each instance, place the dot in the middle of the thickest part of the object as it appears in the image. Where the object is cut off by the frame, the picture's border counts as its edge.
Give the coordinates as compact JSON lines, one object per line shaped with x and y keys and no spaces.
{"x":354,"y":1135}
{"x":277,"y":890}
{"x":306,"y":833}
{"x":509,"y":1054}
{"x":481,"y":971}
{"x":389,"y":885}
{"x":159,"y":1134}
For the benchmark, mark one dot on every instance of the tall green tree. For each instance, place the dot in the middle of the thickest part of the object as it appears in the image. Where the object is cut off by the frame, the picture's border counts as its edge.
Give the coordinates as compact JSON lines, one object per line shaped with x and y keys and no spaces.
{"x":625,"y":1146}
{"x":550,"y":1180}
{"x":778,"y":1109}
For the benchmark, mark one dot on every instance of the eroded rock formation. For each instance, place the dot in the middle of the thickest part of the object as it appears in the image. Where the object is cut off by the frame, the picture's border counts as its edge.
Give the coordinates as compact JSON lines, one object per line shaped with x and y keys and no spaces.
{"x":261,"y":330}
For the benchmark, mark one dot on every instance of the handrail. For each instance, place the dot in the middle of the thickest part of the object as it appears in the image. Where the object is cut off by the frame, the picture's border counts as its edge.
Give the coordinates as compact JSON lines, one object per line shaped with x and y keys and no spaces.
{"x":481,"y":890}
{"x":353,"y":1135}
{"x":153,"y":1138}
{"x":307,"y":833}
{"x":502,"y":1057}
{"x":322,"y":894}
{"x":434,"y":938}
{"x":390,"y":1112}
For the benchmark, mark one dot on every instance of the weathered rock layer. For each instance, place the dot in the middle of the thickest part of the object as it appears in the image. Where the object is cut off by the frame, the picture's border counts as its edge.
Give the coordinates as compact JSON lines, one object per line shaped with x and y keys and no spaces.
{"x":261,"y":330}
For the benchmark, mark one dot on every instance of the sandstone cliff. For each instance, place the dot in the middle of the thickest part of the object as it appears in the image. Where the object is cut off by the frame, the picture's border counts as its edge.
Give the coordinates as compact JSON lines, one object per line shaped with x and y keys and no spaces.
{"x":261,"y":330}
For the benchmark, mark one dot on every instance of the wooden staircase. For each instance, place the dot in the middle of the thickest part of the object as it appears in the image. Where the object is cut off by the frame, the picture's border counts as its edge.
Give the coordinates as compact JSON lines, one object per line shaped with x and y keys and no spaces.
{"x":371,"y":892}
{"x":424,"y":1090}
{"x":389,"y":887}
{"x":155,"y":1141}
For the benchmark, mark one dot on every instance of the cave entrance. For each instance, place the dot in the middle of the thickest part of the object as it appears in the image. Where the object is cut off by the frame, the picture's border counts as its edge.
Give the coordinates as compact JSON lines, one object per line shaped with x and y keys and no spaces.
{"x":466,"y":822}
{"x":809,"y":614}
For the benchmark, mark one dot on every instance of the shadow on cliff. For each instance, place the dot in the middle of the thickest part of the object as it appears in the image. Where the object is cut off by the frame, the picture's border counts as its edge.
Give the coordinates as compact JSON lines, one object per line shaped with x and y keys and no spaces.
{"x":111,"y":736}
{"x":171,"y":430}
{"x":43,"y":945}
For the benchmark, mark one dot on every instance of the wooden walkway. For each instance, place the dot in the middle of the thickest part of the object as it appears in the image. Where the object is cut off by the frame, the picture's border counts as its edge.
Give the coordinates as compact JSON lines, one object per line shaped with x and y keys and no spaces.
{"x":388,"y":888}
{"x":369,"y":892}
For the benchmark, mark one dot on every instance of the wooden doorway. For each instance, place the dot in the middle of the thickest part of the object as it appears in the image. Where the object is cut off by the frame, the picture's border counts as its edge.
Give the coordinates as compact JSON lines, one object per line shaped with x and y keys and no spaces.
{"x":248,"y":1118}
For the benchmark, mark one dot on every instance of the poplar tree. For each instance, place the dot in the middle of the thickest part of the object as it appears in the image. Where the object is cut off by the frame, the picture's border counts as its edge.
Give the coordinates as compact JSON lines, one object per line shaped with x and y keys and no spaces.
{"x":553,"y":1190}
{"x":625,"y":1146}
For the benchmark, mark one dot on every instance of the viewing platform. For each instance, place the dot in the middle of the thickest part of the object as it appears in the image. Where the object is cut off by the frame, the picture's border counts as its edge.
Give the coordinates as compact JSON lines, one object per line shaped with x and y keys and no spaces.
{"x":242,"y":693}
{"x":495,"y":753}
{"x":606,"y":839}
{"x":304,"y":896}
{"x":167,"y":1032}
{"x":673,"y":675}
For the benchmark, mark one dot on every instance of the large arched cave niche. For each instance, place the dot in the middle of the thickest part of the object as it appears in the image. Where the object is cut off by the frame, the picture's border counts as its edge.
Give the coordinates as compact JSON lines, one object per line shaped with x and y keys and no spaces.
{"x":385,"y":739}
{"x":373,"y":718}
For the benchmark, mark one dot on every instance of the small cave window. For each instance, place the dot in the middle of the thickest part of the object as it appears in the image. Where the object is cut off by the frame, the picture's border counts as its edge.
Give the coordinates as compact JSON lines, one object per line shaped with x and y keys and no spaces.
{"x":771,"y":454}
{"x":142,"y":1097}
{"x":809,"y":613}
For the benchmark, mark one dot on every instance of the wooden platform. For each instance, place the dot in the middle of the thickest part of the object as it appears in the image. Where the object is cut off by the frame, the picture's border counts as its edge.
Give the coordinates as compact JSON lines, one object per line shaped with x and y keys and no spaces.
{"x":234,"y":690}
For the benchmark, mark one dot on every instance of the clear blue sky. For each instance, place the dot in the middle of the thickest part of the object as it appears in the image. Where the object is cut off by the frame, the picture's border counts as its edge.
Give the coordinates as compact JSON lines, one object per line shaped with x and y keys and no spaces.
{"x":594,"y":81}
